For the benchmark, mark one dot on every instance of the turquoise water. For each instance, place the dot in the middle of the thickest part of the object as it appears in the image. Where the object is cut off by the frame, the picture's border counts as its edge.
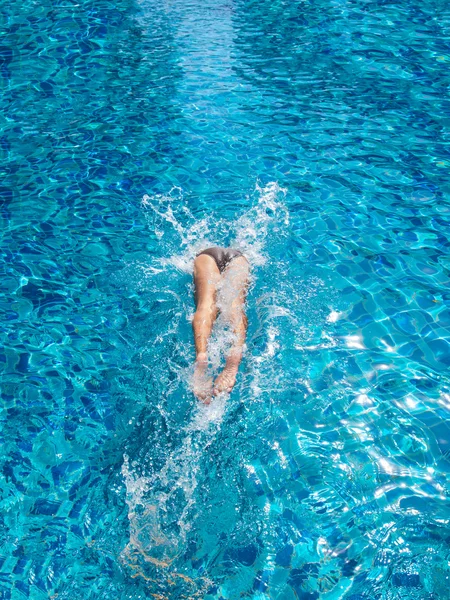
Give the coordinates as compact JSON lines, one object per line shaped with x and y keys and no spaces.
{"x":315,"y":136}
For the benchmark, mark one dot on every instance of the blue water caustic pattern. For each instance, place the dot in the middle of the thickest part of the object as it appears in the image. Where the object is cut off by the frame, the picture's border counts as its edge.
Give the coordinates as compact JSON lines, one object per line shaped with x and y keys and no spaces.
{"x":313,"y":135}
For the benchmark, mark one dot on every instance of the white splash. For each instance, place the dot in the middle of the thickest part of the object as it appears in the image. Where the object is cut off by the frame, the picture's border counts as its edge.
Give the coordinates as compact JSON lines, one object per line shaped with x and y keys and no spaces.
{"x":183,"y":236}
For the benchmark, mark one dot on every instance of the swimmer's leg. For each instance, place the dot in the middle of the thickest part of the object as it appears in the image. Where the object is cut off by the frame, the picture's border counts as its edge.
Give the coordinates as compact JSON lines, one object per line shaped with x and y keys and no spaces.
{"x":234,"y":291}
{"x":206,"y":278}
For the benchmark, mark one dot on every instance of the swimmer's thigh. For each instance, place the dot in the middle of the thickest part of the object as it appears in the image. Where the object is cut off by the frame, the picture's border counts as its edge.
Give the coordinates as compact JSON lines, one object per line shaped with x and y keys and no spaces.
{"x":206,"y":278}
{"x":235,"y":280}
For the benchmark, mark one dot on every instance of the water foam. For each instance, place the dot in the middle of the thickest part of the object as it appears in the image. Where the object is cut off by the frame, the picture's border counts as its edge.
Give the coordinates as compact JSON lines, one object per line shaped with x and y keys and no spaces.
{"x":162,"y":501}
{"x":182,"y":236}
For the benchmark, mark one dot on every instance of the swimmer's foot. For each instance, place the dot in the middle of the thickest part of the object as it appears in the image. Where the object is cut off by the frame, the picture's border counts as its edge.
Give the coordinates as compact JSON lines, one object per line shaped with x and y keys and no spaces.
{"x":202,"y":383}
{"x":226,"y":380}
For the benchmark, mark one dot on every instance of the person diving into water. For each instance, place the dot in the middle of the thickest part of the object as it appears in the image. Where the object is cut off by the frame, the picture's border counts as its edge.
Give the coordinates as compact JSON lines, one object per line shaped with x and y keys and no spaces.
{"x":223,"y":270}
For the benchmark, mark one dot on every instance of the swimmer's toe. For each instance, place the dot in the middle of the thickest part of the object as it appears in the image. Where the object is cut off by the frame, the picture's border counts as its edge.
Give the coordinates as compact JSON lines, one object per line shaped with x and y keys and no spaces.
{"x":226,"y":380}
{"x":202,"y":383}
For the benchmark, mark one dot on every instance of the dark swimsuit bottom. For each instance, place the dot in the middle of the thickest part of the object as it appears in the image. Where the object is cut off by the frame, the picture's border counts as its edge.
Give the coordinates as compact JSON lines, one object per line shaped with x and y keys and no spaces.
{"x":222,"y":256}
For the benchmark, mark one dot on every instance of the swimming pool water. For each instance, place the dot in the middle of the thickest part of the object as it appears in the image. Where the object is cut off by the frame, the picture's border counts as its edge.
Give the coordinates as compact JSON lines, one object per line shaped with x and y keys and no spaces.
{"x":314,"y":135}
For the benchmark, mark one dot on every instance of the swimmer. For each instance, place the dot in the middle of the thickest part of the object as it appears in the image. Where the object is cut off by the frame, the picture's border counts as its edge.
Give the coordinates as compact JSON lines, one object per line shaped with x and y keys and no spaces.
{"x":229,"y":269}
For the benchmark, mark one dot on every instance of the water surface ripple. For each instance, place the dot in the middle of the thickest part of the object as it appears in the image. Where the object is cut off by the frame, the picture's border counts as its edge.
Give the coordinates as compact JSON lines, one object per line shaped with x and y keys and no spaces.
{"x":314,"y":135}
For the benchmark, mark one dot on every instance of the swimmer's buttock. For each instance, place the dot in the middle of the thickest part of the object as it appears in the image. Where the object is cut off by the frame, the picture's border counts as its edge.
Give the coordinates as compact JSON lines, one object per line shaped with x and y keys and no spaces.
{"x":222,"y":256}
